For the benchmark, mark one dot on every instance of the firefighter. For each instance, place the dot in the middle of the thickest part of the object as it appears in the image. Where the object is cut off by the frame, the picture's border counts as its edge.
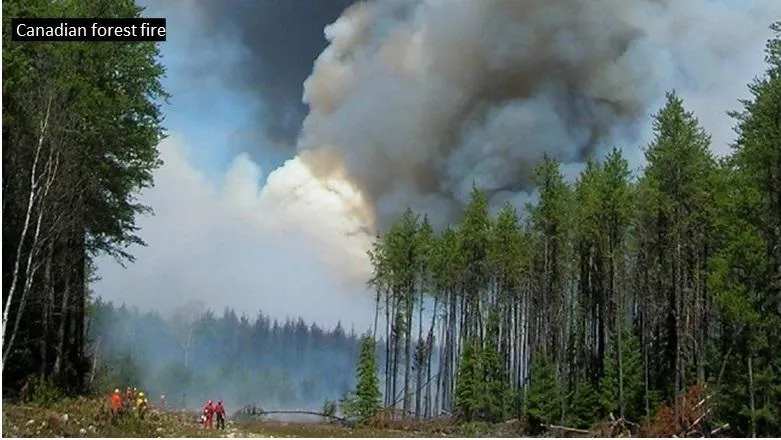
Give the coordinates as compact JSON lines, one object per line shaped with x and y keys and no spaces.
{"x":208,"y":413}
{"x":130,"y":399}
{"x":141,"y":405}
{"x":219,"y":411}
{"x":116,"y":402}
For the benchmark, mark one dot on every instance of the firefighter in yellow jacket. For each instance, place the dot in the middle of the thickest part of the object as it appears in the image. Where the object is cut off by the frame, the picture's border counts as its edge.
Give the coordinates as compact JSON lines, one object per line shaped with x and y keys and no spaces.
{"x":142,"y":405}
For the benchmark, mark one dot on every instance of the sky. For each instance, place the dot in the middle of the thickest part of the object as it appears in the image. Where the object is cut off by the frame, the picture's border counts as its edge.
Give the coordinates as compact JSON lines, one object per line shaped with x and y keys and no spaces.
{"x":241,"y":224}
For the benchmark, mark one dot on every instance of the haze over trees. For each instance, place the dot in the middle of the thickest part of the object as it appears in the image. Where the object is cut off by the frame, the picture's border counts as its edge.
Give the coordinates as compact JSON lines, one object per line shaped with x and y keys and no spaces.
{"x":612,"y":295}
{"x":197,"y":355}
{"x":81,"y":122}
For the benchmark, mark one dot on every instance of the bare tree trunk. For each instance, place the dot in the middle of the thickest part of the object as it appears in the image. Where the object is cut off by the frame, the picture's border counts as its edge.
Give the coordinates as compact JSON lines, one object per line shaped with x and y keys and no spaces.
{"x":62,"y":333}
{"x":376,"y":312}
{"x":619,"y":333}
{"x":677,"y":327}
{"x":47,"y":311}
{"x":644,"y":331}
{"x":32,"y":264}
{"x":419,"y":355}
{"x":388,"y":347}
{"x":34,"y":182}
{"x":94,"y":368}
{"x":752,"y":398}
{"x":430,"y":341}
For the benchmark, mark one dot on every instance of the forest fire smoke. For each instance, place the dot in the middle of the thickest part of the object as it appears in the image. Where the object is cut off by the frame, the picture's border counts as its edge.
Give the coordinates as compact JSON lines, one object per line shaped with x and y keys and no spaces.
{"x":413,"y":102}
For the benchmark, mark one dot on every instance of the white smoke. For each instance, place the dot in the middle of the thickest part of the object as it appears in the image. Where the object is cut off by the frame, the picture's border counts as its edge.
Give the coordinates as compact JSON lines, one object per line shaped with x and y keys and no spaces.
{"x":281,"y":248}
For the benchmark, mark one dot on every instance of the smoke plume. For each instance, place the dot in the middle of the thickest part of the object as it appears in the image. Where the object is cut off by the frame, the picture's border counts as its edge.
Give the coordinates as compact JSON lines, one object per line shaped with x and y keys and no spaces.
{"x":415,"y":101}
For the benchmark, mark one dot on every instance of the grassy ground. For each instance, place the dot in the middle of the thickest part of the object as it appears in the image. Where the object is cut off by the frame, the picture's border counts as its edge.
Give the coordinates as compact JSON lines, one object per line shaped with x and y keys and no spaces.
{"x":83,"y":417}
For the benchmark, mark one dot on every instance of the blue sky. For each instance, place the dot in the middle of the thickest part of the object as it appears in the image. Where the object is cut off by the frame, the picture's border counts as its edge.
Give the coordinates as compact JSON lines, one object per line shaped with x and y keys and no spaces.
{"x":206,"y":115}
{"x":202,"y":109}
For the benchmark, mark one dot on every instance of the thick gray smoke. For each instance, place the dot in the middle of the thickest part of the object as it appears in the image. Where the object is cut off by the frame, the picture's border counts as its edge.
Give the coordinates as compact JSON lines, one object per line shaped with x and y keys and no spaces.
{"x":419,"y":106}
{"x":415,"y":101}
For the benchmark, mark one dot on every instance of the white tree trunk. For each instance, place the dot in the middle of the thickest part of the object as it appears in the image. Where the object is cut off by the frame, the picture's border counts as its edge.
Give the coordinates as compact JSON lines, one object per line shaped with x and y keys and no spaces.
{"x":34,"y":184}
{"x":32,"y":264}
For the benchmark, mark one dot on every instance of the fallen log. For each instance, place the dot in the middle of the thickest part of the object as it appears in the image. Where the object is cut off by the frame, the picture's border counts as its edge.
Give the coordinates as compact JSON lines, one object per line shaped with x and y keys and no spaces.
{"x":720,"y":429}
{"x":567,"y":429}
{"x":311,"y":413}
{"x":693,"y":427}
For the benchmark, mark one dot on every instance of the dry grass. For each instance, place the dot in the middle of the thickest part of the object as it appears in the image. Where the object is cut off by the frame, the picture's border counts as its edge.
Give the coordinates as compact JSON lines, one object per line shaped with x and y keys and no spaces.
{"x":89,"y":417}
{"x":84,"y":417}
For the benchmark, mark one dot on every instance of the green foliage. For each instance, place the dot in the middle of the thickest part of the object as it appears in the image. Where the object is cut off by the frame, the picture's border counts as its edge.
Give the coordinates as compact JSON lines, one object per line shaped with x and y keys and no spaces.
{"x":85,"y":120}
{"x":746,"y":269}
{"x":674,"y":237}
{"x":582,"y":406}
{"x":114,"y":113}
{"x":622,"y":388}
{"x":494,"y":396}
{"x":366,"y":401}
{"x":544,"y":398}
{"x":329,"y":409}
{"x":473,"y":241}
{"x":482,"y":393}
{"x":348,"y":405}
{"x":368,"y":387}
{"x":123,"y":369}
{"x":468,"y":386}
{"x":46,"y":394}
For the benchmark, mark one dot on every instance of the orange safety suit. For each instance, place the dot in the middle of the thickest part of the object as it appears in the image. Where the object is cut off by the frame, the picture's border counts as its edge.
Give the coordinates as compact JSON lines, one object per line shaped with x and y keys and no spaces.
{"x":208,"y":412}
{"x":116,"y":403}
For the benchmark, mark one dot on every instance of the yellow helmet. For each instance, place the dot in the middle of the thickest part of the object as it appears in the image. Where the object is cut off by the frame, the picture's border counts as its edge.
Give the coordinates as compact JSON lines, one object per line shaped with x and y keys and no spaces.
{"x":116,"y":390}
{"x":141,"y":394}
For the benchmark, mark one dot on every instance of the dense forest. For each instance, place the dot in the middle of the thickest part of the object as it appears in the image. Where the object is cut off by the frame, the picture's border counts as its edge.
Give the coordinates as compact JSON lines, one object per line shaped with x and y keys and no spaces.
{"x":195,"y":355}
{"x":616,"y":294}
{"x":81,"y":124}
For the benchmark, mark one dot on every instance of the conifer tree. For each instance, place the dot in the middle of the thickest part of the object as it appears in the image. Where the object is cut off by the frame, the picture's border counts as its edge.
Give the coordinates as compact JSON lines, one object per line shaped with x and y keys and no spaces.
{"x":468,"y":384}
{"x":367,"y":391}
{"x":583,"y":404}
{"x":543,"y":400}
{"x":494,"y":396}
{"x":746,"y":271}
{"x":621,"y":390}
{"x":676,"y":211}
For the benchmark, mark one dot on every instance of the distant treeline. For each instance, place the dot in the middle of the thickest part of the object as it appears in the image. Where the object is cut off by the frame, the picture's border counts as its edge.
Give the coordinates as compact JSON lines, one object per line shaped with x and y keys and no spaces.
{"x":196,"y":354}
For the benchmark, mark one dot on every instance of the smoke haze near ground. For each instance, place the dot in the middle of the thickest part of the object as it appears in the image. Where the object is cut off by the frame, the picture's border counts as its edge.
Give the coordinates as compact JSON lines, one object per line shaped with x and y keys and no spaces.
{"x":195,"y":355}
